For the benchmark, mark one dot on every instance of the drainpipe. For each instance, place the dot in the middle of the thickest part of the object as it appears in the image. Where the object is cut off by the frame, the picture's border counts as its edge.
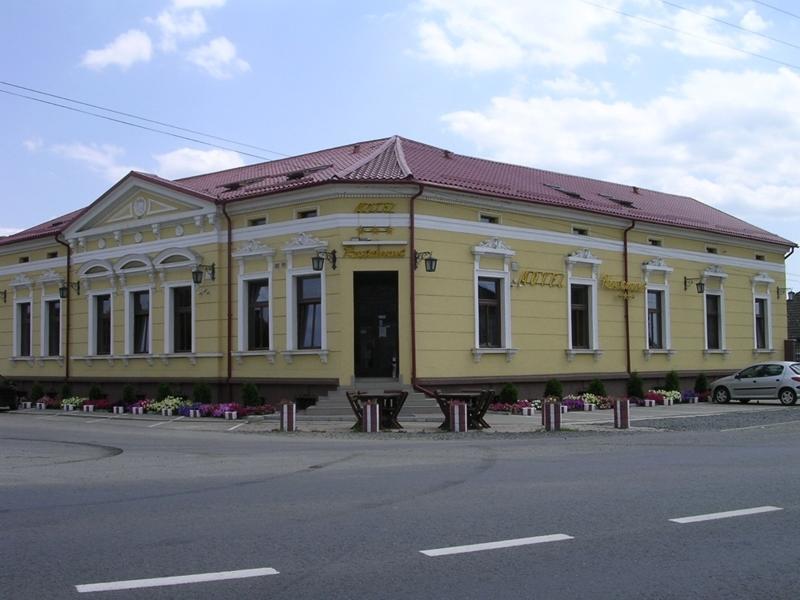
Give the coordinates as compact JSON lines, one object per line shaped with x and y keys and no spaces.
{"x":627,"y":302}
{"x":66,"y":321}
{"x":412,"y":263}
{"x":228,"y":355}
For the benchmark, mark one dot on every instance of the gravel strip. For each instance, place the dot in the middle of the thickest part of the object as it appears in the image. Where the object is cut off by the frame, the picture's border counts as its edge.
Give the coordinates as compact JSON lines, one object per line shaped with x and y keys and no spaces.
{"x":732,"y":420}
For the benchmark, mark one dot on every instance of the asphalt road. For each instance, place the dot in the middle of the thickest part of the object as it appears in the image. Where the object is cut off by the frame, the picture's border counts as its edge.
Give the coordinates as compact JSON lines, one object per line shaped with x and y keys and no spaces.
{"x":86,"y":501}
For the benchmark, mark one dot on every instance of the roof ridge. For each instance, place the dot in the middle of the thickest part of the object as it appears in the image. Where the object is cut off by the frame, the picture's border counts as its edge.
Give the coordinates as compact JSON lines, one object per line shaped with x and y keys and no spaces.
{"x":392,"y":142}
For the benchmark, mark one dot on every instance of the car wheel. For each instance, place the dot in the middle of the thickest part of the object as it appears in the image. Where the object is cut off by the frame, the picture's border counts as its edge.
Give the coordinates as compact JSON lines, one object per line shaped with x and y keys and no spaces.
{"x":787,"y":396}
{"x":722,"y":395}
{"x":744,"y":400}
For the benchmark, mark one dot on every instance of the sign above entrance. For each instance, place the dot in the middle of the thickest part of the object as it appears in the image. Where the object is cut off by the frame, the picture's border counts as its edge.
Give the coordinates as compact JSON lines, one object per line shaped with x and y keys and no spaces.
{"x":627,"y":289}
{"x":375,"y":207}
{"x":379,"y":252}
{"x":543,"y":278}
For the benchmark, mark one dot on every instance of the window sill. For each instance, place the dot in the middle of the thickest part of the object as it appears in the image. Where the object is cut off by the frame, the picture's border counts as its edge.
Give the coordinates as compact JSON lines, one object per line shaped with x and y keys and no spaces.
{"x":150,"y":358}
{"x":288,"y":355}
{"x":652,"y":352}
{"x":722,"y":353}
{"x":22,"y":359}
{"x":571,"y":353}
{"x":757,"y":351}
{"x":268,"y":354}
{"x":478,"y":353}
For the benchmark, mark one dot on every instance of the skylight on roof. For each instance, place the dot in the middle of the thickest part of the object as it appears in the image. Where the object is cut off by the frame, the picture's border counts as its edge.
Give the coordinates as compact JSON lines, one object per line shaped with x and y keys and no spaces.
{"x":558,"y":188}
{"x":620,"y":201}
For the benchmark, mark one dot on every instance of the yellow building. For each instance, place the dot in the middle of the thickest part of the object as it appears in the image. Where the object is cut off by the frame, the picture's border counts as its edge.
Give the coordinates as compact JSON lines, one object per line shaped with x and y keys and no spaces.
{"x":437,"y":269}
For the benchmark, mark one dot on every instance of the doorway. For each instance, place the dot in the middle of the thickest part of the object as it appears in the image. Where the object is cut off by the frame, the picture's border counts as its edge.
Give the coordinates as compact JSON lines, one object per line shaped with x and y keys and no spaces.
{"x":375,"y":320}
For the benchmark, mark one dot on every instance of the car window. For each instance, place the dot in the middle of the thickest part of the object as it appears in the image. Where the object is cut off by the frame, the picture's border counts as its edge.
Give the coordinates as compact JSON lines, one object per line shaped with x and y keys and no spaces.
{"x":772,"y":370}
{"x":749,"y":372}
{"x":795,"y":368}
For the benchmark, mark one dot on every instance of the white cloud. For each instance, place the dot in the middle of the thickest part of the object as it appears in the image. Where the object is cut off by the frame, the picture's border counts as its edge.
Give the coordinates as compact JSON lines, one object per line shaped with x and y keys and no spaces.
{"x":753,"y":21}
{"x":128,"y":48}
{"x":99,"y":158}
{"x":185,"y":162}
{"x":218,"y":58}
{"x":33,"y":144}
{"x":184,"y":4}
{"x":483,"y":35}
{"x":572,"y":85}
{"x":176,"y":26}
{"x":729,"y":139}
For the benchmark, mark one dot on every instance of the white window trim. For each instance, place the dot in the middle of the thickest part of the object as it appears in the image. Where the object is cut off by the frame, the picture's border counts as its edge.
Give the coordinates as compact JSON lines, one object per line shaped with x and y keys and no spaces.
{"x":17,"y":339}
{"x":129,"y":291}
{"x":92,"y":345}
{"x":304,"y":244}
{"x":169,"y":342}
{"x":493,"y":247}
{"x":243,"y":311}
{"x":762,"y":279}
{"x":45,"y":329}
{"x":715,"y":272}
{"x":583,"y":257}
{"x":657,"y":265}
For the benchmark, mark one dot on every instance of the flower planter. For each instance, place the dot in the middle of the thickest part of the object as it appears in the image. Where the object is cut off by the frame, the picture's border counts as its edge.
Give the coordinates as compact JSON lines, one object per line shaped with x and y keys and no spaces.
{"x":68,"y":407}
{"x":588,"y":406}
{"x":664,"y":402}
{"x":648,"y":403}
{"x":41,"y":406}
{"x":693,"y":400}
{"x":137,"y":410}
{"x":194,"y":413}
{"x":564,"y":409}
{"x":119,"y":410}
{"x":88,"y":408}
{"x":166,"y":412}
{"x":231,"y":415}
{"x":26,"y":404}
{"x":528,"y":411}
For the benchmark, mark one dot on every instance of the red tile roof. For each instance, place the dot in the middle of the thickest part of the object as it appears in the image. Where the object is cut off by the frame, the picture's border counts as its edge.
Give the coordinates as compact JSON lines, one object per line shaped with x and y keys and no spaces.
{"x":399,"y":159}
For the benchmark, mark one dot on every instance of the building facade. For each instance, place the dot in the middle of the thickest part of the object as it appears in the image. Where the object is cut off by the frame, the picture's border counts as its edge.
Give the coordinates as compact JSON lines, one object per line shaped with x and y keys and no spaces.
{"x":436,"y":268}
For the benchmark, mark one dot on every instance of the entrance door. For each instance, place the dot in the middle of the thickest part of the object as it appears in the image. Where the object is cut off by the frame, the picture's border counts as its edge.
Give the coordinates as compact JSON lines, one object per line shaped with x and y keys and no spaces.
{"x":375,"y":306}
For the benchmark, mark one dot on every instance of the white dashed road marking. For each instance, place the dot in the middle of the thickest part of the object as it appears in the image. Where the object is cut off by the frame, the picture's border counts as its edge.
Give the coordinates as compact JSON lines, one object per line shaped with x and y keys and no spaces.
{"x":726,"y":515}
{"x":496,"y":545}
{"x":177,"y":580}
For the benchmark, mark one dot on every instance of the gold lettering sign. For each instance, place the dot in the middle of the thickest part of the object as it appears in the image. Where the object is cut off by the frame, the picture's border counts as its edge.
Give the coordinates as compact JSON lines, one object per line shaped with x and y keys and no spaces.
{"x":375,"y":207}
{"x":543,"y":278}
{"x":627,"y":289}
{"x":380,"y":252}
{"x":368,"y":229}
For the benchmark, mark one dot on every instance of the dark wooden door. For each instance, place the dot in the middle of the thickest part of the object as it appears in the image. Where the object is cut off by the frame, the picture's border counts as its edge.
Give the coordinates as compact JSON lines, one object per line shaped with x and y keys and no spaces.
{"x":376,"y":337}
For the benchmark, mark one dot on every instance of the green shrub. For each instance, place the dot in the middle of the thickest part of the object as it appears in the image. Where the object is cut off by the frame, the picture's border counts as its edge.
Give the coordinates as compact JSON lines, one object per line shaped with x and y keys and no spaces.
{"x":163,"y":391}
{"x":553,"y":388}
{"x":509,"y":394}
{"x":201,"y":393}
{"x":597,"y":388}
{"x":36,"y":392}
{"x":672,"y":383}
{"x":250,"y":395}
{"x":701,"y":383}
{"x":635,"y":386}
{"x":95,"y":393}
{"x":128,"y":395}
{"x":66,"y":391}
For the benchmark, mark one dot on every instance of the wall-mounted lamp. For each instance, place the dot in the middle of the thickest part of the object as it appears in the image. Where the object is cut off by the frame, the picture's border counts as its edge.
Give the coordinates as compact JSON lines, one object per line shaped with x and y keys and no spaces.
{"x":200,"y":270}
{"x":63,"y":291}
{"x":700,"y":285}
{"x":430,"y":261}
{"x":5,"y":295}
{"x":318,"y":261}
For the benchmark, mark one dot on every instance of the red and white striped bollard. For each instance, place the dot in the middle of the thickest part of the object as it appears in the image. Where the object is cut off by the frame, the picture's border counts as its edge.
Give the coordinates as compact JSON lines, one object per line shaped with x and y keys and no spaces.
{"x":458,"y":416}
{"x":622,"y":414}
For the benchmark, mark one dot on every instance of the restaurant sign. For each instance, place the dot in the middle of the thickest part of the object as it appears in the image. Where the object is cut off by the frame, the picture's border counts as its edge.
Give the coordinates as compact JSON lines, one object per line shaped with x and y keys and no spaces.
{"x":543,"y":278}
{"x":375,"y":207}
{"x":626,"y":289}
{"x":379,"y":252}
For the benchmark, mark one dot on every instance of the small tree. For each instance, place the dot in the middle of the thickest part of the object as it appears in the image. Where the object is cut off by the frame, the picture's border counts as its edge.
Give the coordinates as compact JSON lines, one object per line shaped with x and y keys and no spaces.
{"x":66,"y":391}
{"x":635,"y":386}
{"x":250,"y":394}
{"x":95,"y":393}
{"x":128,"y":395}
{"x":163,"y":391}
{"x":672,"y":383}
{"x":201,"y":393}
{"x":509,"y":394}
{"x":701,"y":383}
{"x":553,"y":388}
{"x":36,"y":392}
{"x":597,"y":388}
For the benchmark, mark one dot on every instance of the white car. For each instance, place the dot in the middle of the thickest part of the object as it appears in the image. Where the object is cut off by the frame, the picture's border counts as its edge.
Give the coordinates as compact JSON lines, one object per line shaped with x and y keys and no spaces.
{"x":769,"y":380}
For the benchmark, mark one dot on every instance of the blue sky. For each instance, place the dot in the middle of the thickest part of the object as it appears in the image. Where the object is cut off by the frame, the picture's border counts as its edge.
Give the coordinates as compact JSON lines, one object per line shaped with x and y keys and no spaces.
{"x":654,"y":93}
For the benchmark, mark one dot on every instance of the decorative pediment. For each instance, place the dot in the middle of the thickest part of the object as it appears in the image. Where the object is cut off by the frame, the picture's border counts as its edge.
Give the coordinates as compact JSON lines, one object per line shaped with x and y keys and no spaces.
{"x":715,"y":271}
{"x":583,"y":255}
{"x":762,"y":278}
{"x":493,"y":246}
{"x":176,"y":257}
{"x":50,"y":276}
{"x":253,"y":248}
{"x":96,"y":268}
{"x":21,"y":280}
{"x":304,"y":242}
{"x":133,"y":263}
{"x":656,"y":264}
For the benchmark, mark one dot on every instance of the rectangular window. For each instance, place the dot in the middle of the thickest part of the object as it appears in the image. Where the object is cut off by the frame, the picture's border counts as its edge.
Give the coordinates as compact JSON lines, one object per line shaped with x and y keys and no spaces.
{"x":52,"y":327}
{"x":24,"y":259}
{"x":102,"y":325}
{"x":140,"y":301}
{"x":655,"y":319}
{"x":654,"y":242}
{"x":580,"y":296}
{"x":257,"y":222}
{"x":713,"y":322}
{"x":307,"y":214}
{"x":258,"y":314}
{"x":489,"y":312}
{"x":24,"y":329}
{"x":53,"y":254}
{"x":761,"y":323}
{"x":711,"y":250}
{"x":488,"y":218}
{"x":309,"y":312}
{"x":182,"y":319}
{"x":580,"y":231}
{"x":760,"y":257}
